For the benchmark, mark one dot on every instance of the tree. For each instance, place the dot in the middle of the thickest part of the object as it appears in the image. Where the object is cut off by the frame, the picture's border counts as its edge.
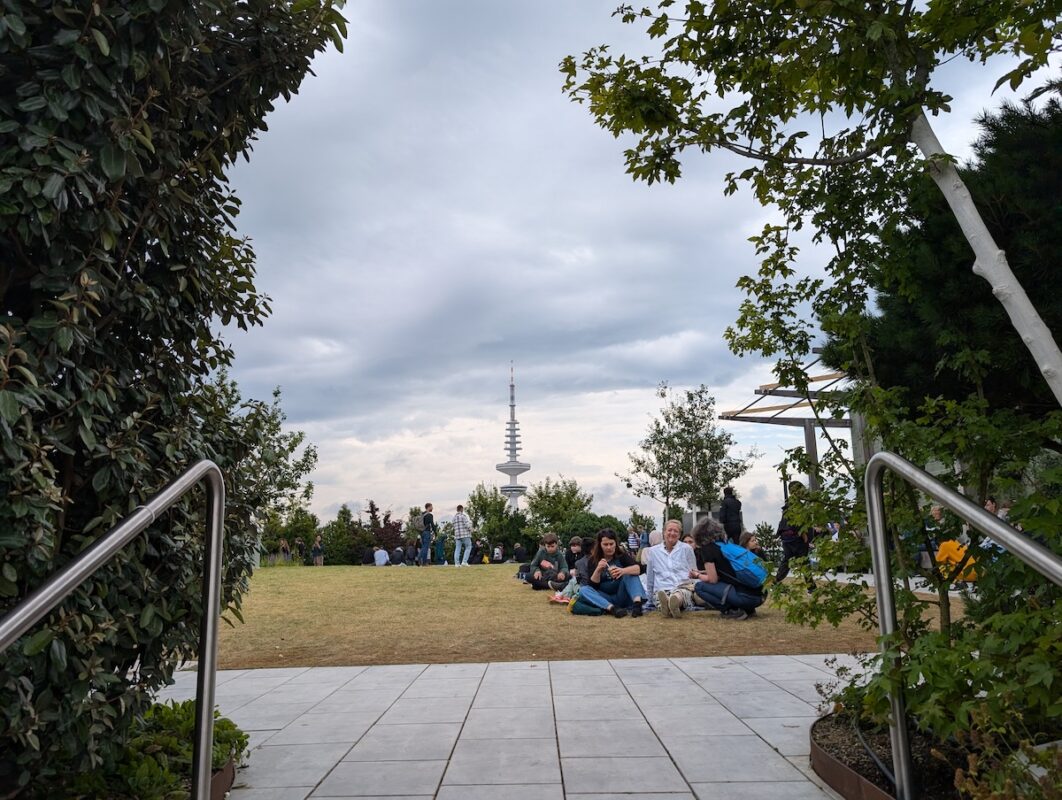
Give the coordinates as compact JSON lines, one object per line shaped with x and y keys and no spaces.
{"x":830,"y":102}
{"x":551,"y":505}
{"x":684,"y":456}
{"x":120,"y":269}
{"x":494,"y":521}
{"x":640,"y":521}
{"x":938,"y":330}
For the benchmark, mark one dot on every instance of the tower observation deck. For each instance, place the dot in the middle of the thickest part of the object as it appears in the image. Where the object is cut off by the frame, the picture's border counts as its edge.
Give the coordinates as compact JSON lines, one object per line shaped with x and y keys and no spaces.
{"x":513,"y":467}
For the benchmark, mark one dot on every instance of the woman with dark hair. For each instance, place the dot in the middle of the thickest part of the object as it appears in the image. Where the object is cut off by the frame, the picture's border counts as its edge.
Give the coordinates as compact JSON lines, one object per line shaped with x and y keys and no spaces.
{"x":613,"y":582}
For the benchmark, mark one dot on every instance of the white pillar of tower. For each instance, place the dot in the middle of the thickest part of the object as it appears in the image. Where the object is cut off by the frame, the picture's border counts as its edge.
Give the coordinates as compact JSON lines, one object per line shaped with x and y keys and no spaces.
{"x":513,"y":467}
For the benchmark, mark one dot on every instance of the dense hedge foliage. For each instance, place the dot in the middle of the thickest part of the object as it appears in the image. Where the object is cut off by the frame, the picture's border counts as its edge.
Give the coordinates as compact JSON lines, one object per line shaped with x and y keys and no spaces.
{"x":117,"y":122}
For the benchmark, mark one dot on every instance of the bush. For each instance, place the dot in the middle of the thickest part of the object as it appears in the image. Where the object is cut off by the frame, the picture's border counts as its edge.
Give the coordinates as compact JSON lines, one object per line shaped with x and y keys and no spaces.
{"x":118,"y":123}
{"x":157,"y":761}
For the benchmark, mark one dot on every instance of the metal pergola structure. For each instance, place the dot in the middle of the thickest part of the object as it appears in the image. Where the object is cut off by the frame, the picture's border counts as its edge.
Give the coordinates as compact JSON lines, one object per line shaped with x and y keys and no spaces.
{"x":772,"y":415}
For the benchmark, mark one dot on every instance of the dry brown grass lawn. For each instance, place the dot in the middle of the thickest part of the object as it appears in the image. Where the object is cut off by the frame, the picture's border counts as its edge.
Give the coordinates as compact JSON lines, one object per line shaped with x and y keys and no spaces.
{"x":305,"y":616}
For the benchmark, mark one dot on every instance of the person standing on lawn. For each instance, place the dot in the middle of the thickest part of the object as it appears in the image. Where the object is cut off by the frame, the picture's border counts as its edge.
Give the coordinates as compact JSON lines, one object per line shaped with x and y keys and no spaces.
{"x":462,"y":537}
{"x":795,"y":542}
{"x":667,"y":567}
{"x":427,"y":532}
{"x":549,"y":570}
{"x":730,"y":515}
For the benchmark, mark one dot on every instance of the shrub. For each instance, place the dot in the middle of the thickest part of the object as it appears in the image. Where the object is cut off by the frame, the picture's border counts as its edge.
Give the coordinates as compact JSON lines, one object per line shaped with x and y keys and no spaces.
{"x":156,"y":763}
{"x":118,"y":122}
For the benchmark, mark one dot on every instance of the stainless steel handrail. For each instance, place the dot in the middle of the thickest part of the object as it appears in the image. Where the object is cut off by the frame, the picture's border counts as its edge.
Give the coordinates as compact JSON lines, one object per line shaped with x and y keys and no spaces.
{"x":1035,"y":555}
{"x":47,"y":596}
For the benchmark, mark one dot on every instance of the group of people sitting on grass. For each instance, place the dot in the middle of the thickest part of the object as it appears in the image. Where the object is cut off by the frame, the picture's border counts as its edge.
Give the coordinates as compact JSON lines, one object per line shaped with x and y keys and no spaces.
{"x":672,"y":575}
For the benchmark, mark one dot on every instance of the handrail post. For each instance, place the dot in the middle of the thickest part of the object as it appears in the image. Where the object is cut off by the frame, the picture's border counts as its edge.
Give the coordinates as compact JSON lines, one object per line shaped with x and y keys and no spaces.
{"x":53,"y":591}
{"x":206,"y":677}
{"x":1022,"y":547}
{"x":879,"y":554}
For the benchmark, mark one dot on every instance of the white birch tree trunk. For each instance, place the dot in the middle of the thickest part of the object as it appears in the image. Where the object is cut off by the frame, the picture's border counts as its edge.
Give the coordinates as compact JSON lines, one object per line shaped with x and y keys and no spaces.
{"x":989,"y":261}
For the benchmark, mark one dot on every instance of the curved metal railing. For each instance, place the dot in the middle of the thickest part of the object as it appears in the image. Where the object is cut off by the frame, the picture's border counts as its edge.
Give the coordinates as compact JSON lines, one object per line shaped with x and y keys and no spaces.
{"x":47,"y":596}
{"x":1035,"y":555}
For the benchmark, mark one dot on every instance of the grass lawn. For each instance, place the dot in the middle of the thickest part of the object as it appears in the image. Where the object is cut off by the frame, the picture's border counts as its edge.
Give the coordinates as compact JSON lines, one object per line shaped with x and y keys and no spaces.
{"x":331,"y":616}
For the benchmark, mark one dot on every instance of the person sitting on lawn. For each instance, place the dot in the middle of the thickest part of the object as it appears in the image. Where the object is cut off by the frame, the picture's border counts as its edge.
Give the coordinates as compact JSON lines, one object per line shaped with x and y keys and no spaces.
{"x":520,"y":553}
{"x":717,"y":585}
{"x":549,"y":570}
{"x":612,"y":583}
{"x":380,"y":557}
{"x":670,"y":563}
{"x":653,"y":539}
{"x":574,"y":552}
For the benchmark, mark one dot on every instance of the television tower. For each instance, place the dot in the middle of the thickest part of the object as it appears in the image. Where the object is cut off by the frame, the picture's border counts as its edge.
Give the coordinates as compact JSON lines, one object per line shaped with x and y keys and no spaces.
{"x":513,"y":467}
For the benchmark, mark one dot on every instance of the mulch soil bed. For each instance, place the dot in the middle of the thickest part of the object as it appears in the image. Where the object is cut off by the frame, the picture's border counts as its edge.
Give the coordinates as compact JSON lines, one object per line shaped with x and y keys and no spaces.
{"x":934,"y":776}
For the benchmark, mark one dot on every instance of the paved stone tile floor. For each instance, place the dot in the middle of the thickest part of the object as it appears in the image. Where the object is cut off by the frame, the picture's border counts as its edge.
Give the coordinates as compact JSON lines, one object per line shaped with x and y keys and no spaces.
{"x":718,"y":728}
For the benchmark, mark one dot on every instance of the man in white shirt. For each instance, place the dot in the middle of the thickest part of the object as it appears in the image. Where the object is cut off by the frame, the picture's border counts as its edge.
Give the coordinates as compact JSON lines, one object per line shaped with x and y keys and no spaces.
{"x":380,"y":557}
{"x":462,"y":537}
{"x":668,"y":565}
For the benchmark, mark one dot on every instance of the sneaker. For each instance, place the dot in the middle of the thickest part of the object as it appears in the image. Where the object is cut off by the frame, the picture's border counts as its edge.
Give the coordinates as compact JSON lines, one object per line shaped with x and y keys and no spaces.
{"x":637,"y":610}
{"x":557,"y":585}
{"x":661,"y":602}
{"x":735,"y":613}
{"x":750,"y":612}
{"x":674,"y":605}
{"x":619,"y":613}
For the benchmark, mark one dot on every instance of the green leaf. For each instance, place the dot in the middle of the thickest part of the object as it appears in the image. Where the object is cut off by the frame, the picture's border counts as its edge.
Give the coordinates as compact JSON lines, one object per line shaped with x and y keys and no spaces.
{"x":53,"y":186}
{"x":10,"y":572}
{"x":9,"y":407}
{"x":15,"y":23}
{"x":37,"y":642}
{"x":59,"y":653}
{"x":101,"y":42}
{"x":64,"y":337}
{"x":112,"y":159}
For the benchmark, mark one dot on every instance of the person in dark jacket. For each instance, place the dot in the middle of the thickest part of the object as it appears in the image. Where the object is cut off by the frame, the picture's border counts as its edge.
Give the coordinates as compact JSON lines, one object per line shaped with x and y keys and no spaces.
{"x":730,"y":515}
{"x":795,"y":542}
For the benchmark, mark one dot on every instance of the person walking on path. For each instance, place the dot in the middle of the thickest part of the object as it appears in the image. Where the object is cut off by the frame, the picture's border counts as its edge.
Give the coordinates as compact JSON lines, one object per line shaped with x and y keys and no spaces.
{"x":427,"y":531}
{"x":730,"y":515}
{"x":462,"y":537}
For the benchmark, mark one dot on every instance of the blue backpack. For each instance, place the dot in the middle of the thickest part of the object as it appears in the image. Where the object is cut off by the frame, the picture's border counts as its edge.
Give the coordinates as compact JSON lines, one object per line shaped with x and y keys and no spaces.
{"x":748,"y":568}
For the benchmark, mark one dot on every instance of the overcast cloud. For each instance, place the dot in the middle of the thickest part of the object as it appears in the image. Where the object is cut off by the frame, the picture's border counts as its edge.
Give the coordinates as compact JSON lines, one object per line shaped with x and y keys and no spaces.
{"x":431,"y":207}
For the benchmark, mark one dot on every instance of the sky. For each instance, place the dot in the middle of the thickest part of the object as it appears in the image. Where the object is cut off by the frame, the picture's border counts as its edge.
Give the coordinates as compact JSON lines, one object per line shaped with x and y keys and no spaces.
{"x":431,"y":208}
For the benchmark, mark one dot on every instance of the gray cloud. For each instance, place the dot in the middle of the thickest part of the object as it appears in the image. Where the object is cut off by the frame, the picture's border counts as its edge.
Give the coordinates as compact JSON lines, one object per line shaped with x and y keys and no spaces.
{"x":430,"y":207}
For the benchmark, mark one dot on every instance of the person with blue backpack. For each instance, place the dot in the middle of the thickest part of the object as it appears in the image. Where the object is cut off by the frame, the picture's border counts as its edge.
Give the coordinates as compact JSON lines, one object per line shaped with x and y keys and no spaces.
{"x":729,"y":578}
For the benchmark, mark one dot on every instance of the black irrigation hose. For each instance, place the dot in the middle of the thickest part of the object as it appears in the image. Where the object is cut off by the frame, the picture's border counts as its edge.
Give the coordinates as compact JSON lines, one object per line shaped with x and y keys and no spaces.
{"x":873,"y":756}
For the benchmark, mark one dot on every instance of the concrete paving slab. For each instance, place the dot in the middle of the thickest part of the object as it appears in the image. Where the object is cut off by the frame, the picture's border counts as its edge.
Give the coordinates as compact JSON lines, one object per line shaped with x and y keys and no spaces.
{"x":367,"y":779}
{"x":290,"y":765}
{"x":415,"y":742}
{"x":621,"y":775}
{"x":263,"y":714}
{"x":594,"y":738}
{"x":541,"y":791}
{"x":320,"y":728}
{"x":287,"y":793}
{"x":790,"y":736}
{"x":439,"y":709}
{"x":732,"y":759}
{"x":769,"y":703}
{"x":509,"y":723}
{"x":503,"y":761}
{"x":657,"y":732}
{"x":514,"y":697}
{"x":441,"y":687}
{"x":638,"y":796}
{"x":616,"y":707}
{"x":759,"y":791}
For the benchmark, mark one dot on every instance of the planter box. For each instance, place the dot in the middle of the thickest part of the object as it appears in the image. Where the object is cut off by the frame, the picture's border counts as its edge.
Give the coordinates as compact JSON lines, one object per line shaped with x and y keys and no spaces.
{"x":846,"y":782}
{"x":222,"y":780}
